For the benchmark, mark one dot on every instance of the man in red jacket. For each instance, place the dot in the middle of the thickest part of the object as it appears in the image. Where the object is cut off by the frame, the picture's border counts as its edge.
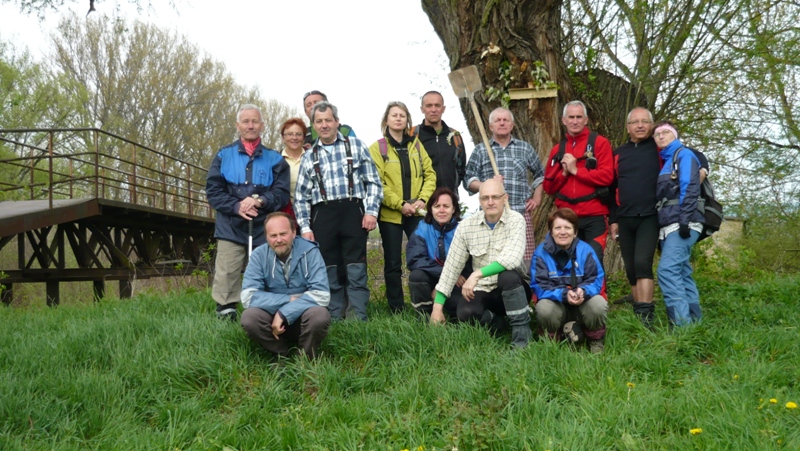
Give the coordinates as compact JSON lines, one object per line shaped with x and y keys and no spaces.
{"x":579,"y":176}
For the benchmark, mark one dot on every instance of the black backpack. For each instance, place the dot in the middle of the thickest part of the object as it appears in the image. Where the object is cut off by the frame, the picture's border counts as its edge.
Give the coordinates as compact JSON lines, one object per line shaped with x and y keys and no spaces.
{"x":707,"y":203}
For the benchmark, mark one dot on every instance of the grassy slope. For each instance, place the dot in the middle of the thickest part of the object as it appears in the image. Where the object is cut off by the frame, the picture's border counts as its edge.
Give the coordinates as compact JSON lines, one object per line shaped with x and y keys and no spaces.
{"x":160,"y":372}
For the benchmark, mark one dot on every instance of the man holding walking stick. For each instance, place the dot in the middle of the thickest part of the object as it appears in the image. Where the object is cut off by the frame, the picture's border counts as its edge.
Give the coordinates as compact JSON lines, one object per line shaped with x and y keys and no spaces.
{"x":515,"y":160}
{"x":246,"y":181}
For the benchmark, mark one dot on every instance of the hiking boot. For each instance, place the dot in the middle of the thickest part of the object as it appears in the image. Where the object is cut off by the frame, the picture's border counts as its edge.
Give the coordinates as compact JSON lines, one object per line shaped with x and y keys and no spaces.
{"x":597,"y":346}
{"x":646,"y":313}
{"x":573,"y":333}
{"x":227,"y":311}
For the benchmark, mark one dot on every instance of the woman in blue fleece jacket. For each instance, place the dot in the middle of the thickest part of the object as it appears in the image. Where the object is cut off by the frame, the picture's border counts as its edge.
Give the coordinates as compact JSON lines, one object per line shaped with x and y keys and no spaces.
{"x":566,"y":279}
{"x":427,"y":250}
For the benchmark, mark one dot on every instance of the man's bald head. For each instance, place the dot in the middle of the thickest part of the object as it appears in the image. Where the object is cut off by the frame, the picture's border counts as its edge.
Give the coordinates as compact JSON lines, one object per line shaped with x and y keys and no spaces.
{"x":492,"y":186}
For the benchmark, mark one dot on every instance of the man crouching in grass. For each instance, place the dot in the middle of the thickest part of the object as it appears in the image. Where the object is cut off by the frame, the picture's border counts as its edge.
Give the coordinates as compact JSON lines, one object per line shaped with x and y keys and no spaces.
{"x":285,"y":291}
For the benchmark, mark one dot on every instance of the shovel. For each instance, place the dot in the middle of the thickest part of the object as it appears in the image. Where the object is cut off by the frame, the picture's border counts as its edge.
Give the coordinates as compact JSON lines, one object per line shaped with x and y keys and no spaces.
{"x":466,"y":82}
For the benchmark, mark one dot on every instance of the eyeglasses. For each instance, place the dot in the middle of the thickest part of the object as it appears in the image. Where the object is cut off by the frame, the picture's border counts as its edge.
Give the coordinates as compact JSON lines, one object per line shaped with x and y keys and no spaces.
{"x":496,"y":197}
{"x":662,"y":133}
{"x":250,"y":121}
{"x":292,"y":135}
{"x":640,"y":122}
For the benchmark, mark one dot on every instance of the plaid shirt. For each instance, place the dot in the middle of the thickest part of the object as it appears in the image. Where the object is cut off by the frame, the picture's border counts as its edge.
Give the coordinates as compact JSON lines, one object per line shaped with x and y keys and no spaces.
{"x":333,"y":167}
{"x":514,"y":163}
{"x":505,"y":244}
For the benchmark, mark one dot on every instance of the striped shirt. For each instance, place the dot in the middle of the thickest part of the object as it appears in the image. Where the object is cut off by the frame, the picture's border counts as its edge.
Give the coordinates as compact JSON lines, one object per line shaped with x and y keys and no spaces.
{"x":514,"y":162}
{"x":367,"y":184}
{"x":505,"y":244}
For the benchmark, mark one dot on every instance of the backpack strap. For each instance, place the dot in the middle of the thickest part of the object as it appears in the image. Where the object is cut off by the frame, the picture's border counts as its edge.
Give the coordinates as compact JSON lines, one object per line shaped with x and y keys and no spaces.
{"x":384,"y":148}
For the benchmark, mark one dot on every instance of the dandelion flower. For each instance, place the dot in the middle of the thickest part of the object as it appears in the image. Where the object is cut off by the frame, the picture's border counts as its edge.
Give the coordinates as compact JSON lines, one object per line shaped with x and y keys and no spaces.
{"x":631,"y":385}
{"x":773,"y":401}
{"x":791,"y":405}
{"x":736,"y":377}
{"x":420,"y":448}
{"x":696,"y":431}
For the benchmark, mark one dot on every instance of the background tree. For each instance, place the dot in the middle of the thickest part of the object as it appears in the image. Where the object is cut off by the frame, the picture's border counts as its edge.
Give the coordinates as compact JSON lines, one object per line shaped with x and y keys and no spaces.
{"x":726,"y":72}
{"x":154,"y":87}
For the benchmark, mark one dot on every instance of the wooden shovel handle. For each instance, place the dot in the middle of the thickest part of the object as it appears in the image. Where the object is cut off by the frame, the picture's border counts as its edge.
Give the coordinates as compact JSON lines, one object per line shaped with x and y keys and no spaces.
{"x":483,"y":134}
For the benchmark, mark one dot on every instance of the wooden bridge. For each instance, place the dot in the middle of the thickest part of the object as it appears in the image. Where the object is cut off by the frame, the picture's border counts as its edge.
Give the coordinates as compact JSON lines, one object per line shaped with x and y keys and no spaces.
{"x":87,"y":205}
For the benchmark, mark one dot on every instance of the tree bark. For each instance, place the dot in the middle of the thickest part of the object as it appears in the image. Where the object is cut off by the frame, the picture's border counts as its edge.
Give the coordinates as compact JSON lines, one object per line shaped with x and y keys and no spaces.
{"x":485,"y":33}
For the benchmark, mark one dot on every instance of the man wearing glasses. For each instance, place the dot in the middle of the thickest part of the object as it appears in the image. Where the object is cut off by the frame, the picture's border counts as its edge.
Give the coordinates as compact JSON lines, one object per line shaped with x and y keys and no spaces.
{"x":579,"y":174}
{"x":310,"y":99}
{"x":633,"y":219}
{"x":246,"y":181}
{"x":495,"y":292}
{"x":515,"y":160}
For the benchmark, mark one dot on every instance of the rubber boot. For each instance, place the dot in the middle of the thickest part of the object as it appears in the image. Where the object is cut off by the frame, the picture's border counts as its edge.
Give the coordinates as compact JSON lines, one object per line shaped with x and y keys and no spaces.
{"x":646,"y":313}
{"x":421,"y":297}
{"x":519,"y":317}
{"x":337,"y":303}
{"x":357,"y":290}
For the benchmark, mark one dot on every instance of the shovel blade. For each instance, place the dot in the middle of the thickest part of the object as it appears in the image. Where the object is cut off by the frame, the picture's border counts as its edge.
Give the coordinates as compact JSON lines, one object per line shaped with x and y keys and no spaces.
{"x":465,"y":81}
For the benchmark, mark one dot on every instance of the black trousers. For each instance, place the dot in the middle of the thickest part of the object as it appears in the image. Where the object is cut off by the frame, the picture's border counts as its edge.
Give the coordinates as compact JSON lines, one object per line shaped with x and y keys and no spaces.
{"x":594,"y":230}
{"x":492,"y":300}
{"x":392,"y":237}
{"x":343,"y":245}
{"x":638,"y":238}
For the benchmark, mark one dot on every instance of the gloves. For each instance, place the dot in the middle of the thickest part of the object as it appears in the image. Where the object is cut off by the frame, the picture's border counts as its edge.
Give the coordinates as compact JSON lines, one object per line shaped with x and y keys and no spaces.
{"x":683,"y":231}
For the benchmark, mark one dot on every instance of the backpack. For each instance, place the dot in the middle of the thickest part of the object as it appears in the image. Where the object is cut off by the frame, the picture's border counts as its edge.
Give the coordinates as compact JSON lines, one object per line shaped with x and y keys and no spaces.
{"x":605,"y":193}
{"x":707,"y":203}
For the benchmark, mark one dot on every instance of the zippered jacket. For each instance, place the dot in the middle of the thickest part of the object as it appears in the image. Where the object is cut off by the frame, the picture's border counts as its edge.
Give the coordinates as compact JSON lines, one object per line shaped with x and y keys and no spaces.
{"x":551,"y":270}
{"x":268,"y":287}
{"x":234,"y":176}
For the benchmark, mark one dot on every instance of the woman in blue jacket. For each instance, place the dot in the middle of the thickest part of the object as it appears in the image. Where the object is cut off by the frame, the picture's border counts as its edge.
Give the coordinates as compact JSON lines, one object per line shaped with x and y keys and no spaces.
{"x":678,"y":189}
{"x":566,"y":278}
{"x":426,"y":252}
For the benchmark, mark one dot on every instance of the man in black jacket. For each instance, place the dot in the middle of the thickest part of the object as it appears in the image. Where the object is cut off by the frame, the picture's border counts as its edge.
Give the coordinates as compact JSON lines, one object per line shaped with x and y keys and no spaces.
{"x":444,"y":145}
{"x":633,"y":219}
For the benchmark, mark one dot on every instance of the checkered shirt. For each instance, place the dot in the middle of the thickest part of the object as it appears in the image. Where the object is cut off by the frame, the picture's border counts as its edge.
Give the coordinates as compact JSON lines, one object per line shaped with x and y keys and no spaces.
{"x":367,"y":184}
{"x":504,"y":244}
{"x":514,"y":162}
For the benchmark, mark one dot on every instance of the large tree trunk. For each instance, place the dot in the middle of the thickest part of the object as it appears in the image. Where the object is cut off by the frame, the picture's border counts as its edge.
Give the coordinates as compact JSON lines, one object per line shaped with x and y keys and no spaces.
{"x":487,"y":33}
{"x":520,"y":32}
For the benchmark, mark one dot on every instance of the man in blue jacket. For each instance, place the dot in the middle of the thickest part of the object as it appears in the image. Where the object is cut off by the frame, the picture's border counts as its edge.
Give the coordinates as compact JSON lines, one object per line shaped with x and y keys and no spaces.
{"x":246,"y":181}
{"x":285,"y":291}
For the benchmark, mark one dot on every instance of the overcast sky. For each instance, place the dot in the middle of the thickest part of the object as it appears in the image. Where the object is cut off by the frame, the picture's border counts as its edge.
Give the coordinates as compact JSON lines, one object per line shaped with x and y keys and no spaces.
{"x":362,"y":54}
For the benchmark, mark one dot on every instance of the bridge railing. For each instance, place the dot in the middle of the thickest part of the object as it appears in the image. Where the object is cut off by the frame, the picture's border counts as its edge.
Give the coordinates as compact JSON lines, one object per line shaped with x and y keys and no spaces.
{"x":51,"y":164}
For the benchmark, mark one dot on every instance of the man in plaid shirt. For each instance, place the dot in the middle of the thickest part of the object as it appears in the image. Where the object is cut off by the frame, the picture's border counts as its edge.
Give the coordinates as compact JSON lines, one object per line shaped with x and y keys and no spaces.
{"x":337,"y":199}
{"x":515,"y":160}
{"x":494,"y":238}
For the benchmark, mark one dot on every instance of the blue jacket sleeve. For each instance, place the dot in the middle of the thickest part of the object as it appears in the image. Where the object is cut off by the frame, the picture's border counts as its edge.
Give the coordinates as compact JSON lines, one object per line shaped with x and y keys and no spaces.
{"x":417,"y":256}
{"x":689,"y":185}
{"x":317,"y":293}
{"x":216,"y":189}
{"x":542,"y":285}
{"x":593,"y":274}
{"x":256,"y":283}
{"x":277,"y":195}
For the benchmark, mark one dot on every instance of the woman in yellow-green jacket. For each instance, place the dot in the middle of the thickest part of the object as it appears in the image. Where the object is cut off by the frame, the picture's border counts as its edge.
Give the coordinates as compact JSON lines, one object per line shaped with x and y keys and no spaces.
{"x":408,"y":181}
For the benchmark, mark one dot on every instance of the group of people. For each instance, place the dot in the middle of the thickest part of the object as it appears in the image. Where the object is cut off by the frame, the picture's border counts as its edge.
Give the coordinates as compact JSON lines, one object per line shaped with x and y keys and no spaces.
{"x":486,"y":269}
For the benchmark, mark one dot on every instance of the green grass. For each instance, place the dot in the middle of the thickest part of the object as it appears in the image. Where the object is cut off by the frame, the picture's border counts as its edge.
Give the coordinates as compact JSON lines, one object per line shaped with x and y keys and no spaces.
{"x":161,"y":372}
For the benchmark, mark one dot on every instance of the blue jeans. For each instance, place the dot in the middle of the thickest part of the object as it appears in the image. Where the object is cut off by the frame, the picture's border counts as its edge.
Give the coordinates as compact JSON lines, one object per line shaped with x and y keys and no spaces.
{"x":675,"y":278}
